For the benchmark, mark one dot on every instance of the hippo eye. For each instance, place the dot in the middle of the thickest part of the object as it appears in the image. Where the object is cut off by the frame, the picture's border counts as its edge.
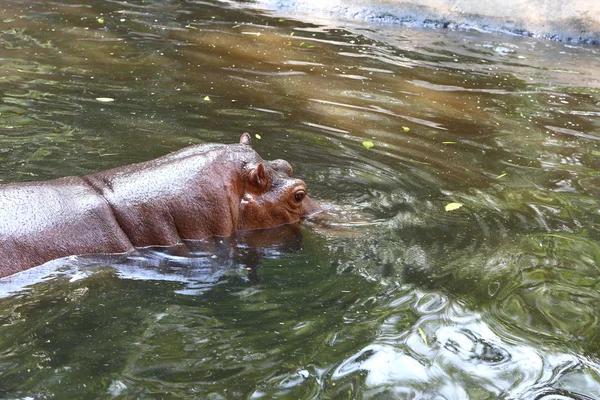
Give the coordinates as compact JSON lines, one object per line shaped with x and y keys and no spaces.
{"x":299,"y":196}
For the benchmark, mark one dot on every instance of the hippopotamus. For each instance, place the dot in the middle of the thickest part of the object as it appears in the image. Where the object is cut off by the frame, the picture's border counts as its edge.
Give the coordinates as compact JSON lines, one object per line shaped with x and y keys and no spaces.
{"x":194,"y":193}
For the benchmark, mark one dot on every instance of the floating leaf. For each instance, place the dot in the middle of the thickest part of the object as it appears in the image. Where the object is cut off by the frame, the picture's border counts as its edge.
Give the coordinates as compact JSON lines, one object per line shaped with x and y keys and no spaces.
{"x":501,"y":175}
{"x":595,"y":152}
{"x":193,"y":27}
{"x":281,"y":20}
{"x":405,"y":128}
{"x":453,"y":206}
{"x":258,"y":136}
{"x":100,"y":20}
{"x":105,"y":99}
{"x":423,"y":336}
{"x":368,"y":145}
{"x":448,"y":142}
{"x":206,"y":98}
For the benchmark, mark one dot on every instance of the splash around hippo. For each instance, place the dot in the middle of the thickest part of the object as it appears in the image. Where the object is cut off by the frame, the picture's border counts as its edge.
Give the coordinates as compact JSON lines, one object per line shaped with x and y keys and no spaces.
{"x":194,"y":193}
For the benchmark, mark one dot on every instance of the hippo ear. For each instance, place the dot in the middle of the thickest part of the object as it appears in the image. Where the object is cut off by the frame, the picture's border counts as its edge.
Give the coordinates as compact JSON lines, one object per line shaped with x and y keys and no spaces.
{"x":245,"y":138}
{"x":258,"y":176}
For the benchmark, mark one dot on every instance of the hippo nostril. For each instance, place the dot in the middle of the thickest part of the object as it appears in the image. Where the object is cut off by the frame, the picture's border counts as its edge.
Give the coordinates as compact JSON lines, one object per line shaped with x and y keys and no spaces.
{"x":282,"y":166}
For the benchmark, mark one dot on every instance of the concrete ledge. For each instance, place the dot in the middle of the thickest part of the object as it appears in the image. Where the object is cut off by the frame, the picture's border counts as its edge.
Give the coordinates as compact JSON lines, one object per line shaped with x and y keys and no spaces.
{"x":575,"y":21}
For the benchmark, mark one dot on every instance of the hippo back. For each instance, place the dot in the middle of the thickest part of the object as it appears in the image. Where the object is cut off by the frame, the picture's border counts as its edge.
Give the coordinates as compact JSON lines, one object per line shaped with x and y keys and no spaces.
{"x":41,"y":221}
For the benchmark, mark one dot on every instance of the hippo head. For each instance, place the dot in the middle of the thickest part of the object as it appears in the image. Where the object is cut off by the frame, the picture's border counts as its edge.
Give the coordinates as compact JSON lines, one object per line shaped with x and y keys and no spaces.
{"x":272,"y":197}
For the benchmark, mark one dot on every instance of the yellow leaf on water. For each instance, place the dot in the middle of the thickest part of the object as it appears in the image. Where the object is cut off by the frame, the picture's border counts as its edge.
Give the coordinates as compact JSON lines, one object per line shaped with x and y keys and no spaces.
{"x":453,"y":206}
{"x":206,"y":98}
{"x":368,"y":145}
{"x":405,"y":128}
{"x":105,"y":99}
{"x":448,"y":142}
{"x":501,"y":175}
{"x":423,"y":336}
{"x":258,"y":136}
{"x":100,"y":20}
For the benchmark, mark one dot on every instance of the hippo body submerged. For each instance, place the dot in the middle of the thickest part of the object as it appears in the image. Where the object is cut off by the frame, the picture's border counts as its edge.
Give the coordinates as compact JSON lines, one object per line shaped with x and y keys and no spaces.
{"x":197,"y":192}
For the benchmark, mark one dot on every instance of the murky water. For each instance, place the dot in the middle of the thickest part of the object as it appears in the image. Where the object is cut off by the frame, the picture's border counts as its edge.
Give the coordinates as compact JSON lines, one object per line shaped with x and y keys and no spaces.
{"x":392,"y":297}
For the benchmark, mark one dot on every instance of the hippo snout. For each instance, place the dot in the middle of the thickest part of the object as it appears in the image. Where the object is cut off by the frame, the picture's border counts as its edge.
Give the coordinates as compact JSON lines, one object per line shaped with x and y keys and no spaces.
{"x":309,"y":207}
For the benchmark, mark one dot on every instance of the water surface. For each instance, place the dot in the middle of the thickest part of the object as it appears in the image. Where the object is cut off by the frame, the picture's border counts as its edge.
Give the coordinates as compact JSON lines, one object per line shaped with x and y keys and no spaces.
{"x":393,"y":297}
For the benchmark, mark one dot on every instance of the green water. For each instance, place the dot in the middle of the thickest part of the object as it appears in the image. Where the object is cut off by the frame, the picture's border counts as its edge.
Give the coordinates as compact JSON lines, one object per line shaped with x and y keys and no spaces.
{"x":391,"y":297}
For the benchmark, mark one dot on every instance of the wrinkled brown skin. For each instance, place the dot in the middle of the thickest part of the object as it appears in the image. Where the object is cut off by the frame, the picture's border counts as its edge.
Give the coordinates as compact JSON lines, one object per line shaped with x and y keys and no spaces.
{"x":194,"y":193}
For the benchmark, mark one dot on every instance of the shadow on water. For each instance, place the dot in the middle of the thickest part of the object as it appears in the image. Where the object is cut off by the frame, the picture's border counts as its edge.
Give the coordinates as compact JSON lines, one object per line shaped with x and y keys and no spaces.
{"x":389,"y":296}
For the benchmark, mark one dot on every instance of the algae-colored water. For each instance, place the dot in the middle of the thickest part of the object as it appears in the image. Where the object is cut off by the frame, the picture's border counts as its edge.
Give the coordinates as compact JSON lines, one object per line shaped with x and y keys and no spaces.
{"x":392,"y":296}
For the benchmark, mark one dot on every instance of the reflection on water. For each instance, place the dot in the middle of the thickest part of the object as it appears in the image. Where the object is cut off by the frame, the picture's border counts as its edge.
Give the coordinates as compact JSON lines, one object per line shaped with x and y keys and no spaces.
{"x":390,"y":296}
